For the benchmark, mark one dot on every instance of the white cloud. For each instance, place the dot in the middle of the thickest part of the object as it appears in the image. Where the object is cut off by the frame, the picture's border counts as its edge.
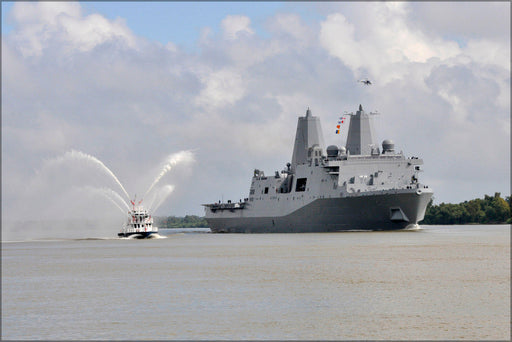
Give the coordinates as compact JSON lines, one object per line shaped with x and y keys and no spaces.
{"x":42,"y":25}
{"x":382,"y":43}
{"x":221,"y":88}
{"x":234,"y":26}
{"x":479,"y":20}
{"x":489,"y":52}
{"x":292,"y":29}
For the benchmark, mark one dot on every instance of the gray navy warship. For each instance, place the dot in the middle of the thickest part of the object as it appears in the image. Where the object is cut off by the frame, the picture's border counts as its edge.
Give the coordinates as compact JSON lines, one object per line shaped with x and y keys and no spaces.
{"x":356,"y":187}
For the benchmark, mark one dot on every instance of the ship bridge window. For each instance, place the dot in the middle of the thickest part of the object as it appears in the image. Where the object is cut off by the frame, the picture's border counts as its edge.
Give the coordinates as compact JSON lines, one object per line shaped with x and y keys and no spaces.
{"x":301,"y":184}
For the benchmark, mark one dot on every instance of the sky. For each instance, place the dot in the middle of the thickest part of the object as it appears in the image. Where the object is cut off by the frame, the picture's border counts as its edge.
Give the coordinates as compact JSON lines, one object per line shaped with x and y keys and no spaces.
{"x":131,"y":85}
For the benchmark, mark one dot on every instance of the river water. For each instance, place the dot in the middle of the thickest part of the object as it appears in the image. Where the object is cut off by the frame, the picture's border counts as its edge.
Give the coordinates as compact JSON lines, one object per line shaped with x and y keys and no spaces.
{"x":441,"y":282}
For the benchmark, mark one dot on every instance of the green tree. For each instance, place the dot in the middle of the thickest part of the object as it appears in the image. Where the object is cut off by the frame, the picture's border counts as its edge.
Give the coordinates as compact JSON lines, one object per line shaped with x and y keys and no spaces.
{"x":501,"y":207}
{"x":490,"y":209}
{"x":189,"y":221}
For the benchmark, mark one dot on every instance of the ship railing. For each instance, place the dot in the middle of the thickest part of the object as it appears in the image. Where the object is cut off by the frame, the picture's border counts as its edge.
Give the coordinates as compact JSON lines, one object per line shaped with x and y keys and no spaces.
{"x":381,"y":156}
{"x":226,"y":206}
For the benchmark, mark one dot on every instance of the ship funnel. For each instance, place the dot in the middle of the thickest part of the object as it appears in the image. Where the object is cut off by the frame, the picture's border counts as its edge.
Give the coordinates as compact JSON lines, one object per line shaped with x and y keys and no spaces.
{"x":309,"y":133}
{"x":360,"y":138}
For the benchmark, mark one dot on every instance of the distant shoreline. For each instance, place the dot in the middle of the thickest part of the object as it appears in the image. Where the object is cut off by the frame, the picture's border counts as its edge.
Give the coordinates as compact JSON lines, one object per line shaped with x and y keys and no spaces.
{"x":188,"y":221}
{"x":486,"y":210}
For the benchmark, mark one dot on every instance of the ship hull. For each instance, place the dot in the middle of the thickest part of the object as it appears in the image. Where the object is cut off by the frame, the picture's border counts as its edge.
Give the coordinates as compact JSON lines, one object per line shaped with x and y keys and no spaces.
{"x":138,"y":235}
{"x":390,"y":211}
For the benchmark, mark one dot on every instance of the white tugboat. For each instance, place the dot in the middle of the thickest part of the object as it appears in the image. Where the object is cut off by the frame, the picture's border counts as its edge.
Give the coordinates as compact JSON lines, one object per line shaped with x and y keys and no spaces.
{"x":139,"y":224}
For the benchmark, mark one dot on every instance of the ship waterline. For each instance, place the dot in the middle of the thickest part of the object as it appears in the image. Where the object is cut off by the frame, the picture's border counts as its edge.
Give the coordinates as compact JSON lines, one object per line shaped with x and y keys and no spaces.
{"x":357,"y":187}
{"x":374,"y":212}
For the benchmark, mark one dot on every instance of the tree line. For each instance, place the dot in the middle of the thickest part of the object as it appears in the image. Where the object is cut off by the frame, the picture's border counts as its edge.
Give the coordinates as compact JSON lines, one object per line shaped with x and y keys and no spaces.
{"x":189,"y":221}
{"x":487,"y":210}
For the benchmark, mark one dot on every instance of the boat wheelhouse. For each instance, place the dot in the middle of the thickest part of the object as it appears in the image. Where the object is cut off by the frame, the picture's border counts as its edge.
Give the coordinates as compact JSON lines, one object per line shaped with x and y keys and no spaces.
{"x":139,"y":223}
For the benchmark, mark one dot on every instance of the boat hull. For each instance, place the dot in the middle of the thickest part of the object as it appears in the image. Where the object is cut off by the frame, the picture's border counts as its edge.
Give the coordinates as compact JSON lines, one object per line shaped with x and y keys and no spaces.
{"x":138,"y":235}
{"x":391,"y":211}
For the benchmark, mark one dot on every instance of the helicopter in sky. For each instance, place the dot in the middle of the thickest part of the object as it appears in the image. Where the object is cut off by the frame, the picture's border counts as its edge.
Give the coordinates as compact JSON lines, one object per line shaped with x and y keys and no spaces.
{"x":365,"y":81}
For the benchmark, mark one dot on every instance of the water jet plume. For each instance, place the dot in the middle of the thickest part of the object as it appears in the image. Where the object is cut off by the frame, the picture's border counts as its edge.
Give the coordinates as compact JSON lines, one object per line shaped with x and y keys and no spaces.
{"x":77,"y":155}
{"x":115,"y":195}
{"x":162,"y":194}
{"x":109,"y":194}
{"x":172,"y":160}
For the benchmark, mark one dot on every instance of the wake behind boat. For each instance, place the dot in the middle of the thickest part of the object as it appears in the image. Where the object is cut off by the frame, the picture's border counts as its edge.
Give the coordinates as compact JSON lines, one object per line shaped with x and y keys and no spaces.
{"x":139,"y":224}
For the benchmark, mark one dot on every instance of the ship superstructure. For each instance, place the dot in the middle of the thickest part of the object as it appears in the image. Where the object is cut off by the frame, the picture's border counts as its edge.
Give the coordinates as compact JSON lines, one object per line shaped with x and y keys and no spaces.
{"x":139,"y":223}
{"x":354,"y":187}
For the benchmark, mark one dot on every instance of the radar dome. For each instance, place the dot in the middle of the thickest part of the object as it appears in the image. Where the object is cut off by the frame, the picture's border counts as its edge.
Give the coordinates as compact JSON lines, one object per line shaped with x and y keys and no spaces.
{"x":388,"y":146}
{"x":332,"y":151}
{"x":343,"y":150}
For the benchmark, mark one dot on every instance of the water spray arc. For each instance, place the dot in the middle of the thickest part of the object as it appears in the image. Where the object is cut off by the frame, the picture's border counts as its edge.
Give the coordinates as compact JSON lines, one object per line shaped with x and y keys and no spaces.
{"x":160,"y":197}
{"x":114,"y":195}
{"x":172,"y":160}
{"x":73,"y":186}
{"x":77,"y":155}
{"x":109,"y":194}
{"x":78,"y":166}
